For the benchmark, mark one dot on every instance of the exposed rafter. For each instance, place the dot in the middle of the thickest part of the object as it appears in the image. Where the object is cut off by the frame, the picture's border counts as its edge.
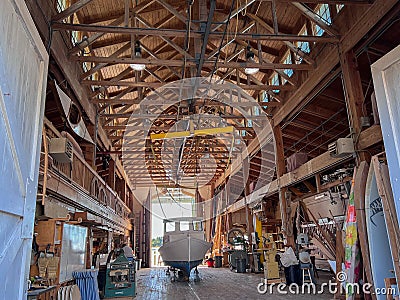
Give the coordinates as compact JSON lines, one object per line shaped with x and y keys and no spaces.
{"x":114,"y":28}
{"x":345,"y":2}
{"x":306,"y":11}
{"x":179,"y":63}
{"x":289,"y":44}
{"x":70,"y":10}
{"x":154,"y":85}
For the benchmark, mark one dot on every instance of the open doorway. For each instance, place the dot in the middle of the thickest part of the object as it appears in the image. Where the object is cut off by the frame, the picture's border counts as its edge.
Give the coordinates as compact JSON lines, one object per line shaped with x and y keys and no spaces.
{"x":170,"y":203}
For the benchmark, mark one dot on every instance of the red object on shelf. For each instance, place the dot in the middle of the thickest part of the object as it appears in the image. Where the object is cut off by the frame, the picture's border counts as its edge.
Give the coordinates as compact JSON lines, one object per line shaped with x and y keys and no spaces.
{"x":210,"y":263}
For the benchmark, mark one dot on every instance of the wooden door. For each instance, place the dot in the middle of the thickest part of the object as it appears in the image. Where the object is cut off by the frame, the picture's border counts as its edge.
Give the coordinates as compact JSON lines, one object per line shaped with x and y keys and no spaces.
{"x":23,"y":72}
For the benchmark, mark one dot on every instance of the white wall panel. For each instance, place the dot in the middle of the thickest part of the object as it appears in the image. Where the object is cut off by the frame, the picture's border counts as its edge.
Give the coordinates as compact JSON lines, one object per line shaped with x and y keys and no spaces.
{"x":23,"y":72}
{"x":386,"y":76}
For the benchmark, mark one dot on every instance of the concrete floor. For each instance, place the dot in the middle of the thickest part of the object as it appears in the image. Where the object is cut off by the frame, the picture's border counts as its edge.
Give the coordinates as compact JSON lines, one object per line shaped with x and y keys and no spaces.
{"x":214,"y":284}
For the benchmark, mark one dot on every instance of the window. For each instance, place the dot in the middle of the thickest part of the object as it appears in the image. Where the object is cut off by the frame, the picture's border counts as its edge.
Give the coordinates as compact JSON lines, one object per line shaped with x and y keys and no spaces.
{"x":185,"y":226}
{"x":197,"y":225}
{"x":76,"y":37}
{"x":303,"y":46}
{"x":287,"y":59}
{"x":170,"y":226}
{"x":339,"y":7}
{"x":62,"y":4}
{"x":264,"y":97}
{"x":274,"y":80}
{"x":256,"y":111}
{"x":324,"y":14}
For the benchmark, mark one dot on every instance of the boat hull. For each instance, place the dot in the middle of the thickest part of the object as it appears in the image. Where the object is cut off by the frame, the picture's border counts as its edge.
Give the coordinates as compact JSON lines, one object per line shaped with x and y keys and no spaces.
{"x":185,"y":253}
{"x":184,"y":266}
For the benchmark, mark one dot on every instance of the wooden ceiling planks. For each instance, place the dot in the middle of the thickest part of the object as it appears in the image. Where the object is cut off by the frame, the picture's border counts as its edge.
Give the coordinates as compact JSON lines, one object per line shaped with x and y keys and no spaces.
{"x":319,"y":123}
{"x":169,"y":14}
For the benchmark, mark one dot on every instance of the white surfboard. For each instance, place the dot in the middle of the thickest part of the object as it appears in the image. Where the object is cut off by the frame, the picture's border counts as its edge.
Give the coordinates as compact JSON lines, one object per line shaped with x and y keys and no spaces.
{"x":378,"y":240}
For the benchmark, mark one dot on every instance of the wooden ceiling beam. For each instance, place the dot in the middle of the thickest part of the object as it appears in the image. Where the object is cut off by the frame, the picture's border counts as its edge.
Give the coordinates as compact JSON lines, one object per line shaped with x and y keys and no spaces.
{"x":358,"y":28}
{"x":264,"y":60}
{"x":155,"y":75}
{"x":160,"y":129}
{"x":312,"y":16}
{"x":70,"y":10}
{"x":176,"y":13}
{"x":114,"y":28}
{"x":295,"y":137}
{"x":190,"y":63}
{"x":173,"y":117}
{"x":226,"y":43}
{"x":318,"y":111}
{"x":269,"y":92}
{"x":168,"y":152}
{"x":87,"y":42}
{"x":127,"y":38}
{"x":233,"y":14}
{"x":130,"y":89}
{"x":301,"y":125}
{"x":265,"y":49}
{"x":98,"y":67}
{"x":120,"y":51}
{"x":115,"y":40}
{"x":289,"y":44}
{"x":165,"y":39}
{"x":117,"y":82}
{"x":170,"y":17}
{"x":155,"y":56}
{"x":156,"y":7}
{"x":117,"y":78}
{"x":345,"y":2}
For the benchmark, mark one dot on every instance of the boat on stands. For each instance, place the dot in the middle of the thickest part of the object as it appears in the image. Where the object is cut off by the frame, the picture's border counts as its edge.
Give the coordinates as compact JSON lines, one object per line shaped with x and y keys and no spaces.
{"x":184,"y":246}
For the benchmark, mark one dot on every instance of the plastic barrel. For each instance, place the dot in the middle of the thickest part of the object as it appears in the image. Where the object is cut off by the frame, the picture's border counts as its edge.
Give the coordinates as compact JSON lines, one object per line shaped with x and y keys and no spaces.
{"x":292,"y":274}
{"x":218,"y":261}
{"x":240,"y":265}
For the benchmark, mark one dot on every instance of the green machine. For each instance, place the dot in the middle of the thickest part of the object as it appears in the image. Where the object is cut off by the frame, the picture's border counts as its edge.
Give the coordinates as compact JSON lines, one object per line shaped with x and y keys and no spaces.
{"x":120,"y":278}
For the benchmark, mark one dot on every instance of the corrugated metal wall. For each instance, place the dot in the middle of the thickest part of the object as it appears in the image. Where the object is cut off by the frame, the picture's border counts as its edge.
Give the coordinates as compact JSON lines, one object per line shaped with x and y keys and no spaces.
{"x":23,"y":72}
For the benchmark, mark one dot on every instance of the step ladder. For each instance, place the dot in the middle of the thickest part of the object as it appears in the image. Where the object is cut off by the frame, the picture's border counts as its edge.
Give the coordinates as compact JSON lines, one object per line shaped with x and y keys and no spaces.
{"x":306,"y":276}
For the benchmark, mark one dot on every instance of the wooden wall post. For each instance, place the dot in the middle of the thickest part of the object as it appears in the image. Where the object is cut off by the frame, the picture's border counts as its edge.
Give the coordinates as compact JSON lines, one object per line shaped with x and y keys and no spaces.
{"x":280,"y":170}
{"x":354,"y":96}
{"x":111,"y":174}
{"x":124,"y":198}
{"x":339,"y":260}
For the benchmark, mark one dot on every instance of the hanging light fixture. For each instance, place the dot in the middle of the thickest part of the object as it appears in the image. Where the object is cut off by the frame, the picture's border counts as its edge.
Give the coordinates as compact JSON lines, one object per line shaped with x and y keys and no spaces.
{"x":250,"y":59}
{"x":138,"y":54}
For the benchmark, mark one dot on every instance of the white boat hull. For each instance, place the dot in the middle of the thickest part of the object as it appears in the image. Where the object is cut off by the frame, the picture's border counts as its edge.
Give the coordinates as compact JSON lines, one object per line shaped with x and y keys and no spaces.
{"x":185,"y":249}
{"x":185,"y":253}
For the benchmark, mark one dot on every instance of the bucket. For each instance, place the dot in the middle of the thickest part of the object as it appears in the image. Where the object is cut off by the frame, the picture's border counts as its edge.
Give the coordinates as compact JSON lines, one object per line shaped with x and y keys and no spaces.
{"x":240,"y":265}
{"x":218,"y":261}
